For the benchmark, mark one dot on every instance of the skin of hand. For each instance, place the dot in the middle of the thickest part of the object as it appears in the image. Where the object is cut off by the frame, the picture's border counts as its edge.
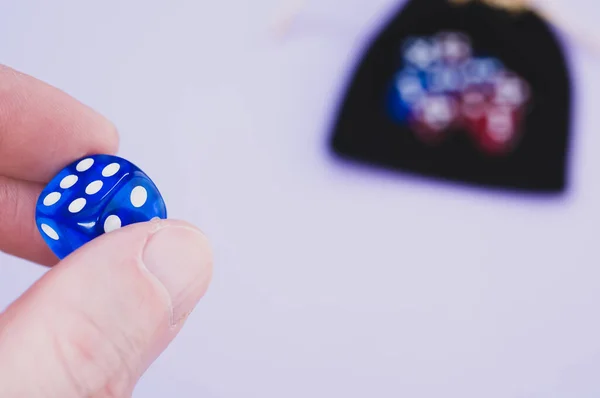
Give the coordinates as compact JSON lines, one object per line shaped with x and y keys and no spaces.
{"x":93,"y":324}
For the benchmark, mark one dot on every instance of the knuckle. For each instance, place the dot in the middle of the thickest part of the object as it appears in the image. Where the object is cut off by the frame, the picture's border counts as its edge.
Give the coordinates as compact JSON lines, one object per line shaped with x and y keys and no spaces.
{"x":13,"y":207}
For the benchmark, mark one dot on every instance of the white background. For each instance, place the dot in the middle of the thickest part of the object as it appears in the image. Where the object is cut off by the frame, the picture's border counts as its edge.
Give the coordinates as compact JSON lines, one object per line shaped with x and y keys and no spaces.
{"x":330,"y":280}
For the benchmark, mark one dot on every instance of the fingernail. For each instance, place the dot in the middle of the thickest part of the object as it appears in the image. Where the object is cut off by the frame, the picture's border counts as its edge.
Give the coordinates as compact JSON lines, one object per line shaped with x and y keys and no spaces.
{"x":178,"y":257}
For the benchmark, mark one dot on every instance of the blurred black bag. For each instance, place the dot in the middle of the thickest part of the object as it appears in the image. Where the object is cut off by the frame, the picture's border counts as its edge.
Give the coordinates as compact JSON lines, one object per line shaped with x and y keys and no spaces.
{"x":463,"y":92}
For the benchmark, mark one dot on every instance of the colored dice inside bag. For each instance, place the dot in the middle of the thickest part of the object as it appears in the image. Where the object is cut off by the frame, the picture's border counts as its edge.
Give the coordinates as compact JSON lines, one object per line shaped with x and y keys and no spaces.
{"x":443,"y":86}
{"x":92,"y":196}
{"x":461,"y":91}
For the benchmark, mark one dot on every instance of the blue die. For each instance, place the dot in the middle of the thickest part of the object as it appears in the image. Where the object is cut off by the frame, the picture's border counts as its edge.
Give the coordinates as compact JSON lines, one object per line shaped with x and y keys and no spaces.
{"x":94,"y":195}
{"x":406,"y":89}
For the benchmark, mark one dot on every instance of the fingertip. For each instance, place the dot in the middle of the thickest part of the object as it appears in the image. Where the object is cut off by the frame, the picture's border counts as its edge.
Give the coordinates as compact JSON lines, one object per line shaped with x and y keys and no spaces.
{"x":107,"y":140}
{"x":179,"y":257}
{"x":111,"y":307}
{"x":42,"y":128}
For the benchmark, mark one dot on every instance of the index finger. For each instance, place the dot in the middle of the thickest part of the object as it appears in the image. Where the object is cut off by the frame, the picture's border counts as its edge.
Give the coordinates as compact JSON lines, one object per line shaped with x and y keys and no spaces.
{"x":42,"y":128}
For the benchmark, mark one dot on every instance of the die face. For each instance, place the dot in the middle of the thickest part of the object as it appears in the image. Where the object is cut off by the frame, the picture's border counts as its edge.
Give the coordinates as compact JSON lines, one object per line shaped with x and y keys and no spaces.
{"x":77,"y":192}
{"x":73,"y":208}
{"x":137,"y":200}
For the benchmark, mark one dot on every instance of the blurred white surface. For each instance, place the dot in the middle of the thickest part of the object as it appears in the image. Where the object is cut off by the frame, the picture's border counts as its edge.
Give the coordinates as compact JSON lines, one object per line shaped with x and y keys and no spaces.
{"x":330,"y":281}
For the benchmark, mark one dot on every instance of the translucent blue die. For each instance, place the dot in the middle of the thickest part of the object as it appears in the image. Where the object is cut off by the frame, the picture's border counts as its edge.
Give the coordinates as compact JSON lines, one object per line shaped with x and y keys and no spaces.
{"x":92,"y":196}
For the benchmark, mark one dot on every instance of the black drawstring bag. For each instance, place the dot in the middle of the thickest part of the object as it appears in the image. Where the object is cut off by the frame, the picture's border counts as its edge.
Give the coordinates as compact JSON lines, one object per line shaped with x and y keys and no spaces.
{"x":467,"y":93}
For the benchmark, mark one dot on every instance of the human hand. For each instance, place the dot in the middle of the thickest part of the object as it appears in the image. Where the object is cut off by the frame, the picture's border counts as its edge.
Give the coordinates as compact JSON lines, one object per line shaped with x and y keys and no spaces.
{"x":95,"y":321}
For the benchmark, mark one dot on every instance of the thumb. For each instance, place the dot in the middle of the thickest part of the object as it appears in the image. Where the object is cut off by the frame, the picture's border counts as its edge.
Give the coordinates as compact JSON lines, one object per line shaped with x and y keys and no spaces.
{"x":94,"y":323}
